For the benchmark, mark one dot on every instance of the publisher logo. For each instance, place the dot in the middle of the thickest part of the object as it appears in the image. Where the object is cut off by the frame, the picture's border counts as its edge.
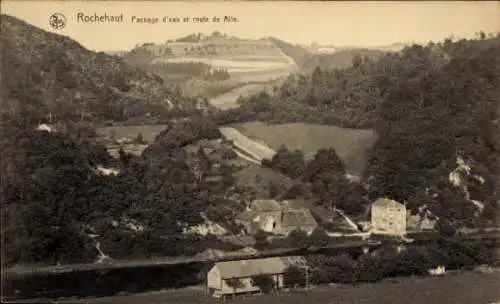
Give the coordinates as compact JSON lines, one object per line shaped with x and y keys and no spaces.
{"x":57,"y":21}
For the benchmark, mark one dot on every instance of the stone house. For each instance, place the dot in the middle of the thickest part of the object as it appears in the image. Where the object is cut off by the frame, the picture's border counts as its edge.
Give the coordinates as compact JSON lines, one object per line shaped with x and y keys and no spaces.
{"x":220,"y":278}
{"x":388,"y":217}
{"x":275,"y":217}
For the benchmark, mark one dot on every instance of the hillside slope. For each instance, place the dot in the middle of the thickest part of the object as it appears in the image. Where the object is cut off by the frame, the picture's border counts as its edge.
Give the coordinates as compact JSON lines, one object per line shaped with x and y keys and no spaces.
{"x":46,"y":73}
{"x":308,"y":61}
{"x":339,"y":60}
{"x":351,"y":145}
{"x":296,"y":52}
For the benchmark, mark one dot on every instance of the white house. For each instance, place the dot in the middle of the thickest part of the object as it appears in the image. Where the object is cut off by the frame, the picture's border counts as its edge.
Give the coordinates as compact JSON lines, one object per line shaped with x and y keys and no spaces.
{"x":235,"y":277}
{"x":388,"y":217}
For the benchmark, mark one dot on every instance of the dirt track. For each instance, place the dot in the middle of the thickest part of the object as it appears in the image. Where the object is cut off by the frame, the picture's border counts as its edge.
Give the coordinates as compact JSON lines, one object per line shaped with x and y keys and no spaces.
{"x":257,"y":150}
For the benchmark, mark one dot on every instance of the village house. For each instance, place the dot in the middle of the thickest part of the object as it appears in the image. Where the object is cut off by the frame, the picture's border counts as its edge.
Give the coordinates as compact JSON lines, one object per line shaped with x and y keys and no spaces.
{"x":275,"y":217}
{"x":235,"y":277}
{"x":388,"y":217}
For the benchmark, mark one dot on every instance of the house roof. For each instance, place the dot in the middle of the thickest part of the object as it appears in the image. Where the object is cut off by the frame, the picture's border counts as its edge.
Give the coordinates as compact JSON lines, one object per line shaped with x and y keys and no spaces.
{"x":246,"y":215}
{"x":249,"y":268}
{"x":266,"y":205}
{"x":385,"y":202}
{"x":298,"y":218}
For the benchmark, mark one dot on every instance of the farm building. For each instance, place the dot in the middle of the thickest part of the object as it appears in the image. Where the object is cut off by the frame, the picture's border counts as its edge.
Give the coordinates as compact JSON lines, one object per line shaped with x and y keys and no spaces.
{"x":388,"y":217}
{"x":235,"y":277}
{"x":275,"y":217}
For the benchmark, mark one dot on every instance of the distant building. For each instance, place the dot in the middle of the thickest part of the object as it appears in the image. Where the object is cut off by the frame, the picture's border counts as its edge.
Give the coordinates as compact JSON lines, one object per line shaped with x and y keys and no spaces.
{"x":44,"y":127}
{"x":235,"y":277}
{"x":275,"y":217}
{"x":388,"y":217}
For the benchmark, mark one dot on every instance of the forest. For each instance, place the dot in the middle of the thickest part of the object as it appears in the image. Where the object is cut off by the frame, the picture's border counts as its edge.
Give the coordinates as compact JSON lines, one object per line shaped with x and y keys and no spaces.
{"x":58,"y":206}
{"x":44,"y":74}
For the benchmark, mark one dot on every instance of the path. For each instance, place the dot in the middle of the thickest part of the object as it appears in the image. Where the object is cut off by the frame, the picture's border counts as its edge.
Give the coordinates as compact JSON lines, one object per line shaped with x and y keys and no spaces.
{"x":256,"y":150}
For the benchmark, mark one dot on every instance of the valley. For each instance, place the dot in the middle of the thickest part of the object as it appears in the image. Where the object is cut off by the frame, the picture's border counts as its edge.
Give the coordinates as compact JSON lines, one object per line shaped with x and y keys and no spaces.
{"x":207,"y":147}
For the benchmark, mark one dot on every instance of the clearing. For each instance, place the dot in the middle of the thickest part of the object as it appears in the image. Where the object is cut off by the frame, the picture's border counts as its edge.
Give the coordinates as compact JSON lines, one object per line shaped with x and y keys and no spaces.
{"x":228,"y":100}
{"x":351,"y":145}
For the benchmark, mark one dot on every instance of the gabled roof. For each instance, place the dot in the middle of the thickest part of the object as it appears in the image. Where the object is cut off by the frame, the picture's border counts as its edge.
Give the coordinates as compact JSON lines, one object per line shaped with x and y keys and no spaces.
{"x":249,"y":268}
{"x":246,"y":215}
{"x":298,"y":218}
{"x":265,"y":205}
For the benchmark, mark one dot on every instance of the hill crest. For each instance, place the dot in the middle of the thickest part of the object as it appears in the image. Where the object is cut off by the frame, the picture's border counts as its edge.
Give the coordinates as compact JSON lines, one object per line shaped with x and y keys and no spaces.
{"x":50,"y":73}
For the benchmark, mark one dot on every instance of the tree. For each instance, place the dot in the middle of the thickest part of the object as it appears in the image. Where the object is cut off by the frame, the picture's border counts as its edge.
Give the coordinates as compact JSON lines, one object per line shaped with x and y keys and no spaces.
{"x":295,"y":276}
{"x":289,"y":163}
{"x":273,"y":190}
{"x":326,"y":172}
{"x":261,"y":238}
{"x":265,"y":282}
{"x":234,"y":283}
{"x":140,"y":139}
{"x":298,"y":238}
{"x":319,"y":238}
{"x":357,"y":61}
{"x":325,"y":160}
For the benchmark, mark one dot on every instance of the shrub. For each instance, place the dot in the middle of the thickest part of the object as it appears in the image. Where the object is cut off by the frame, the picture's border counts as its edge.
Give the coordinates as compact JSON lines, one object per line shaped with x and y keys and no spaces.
{"x":298,"y":238}
{"x":319,"y":238}
{"x":264,"y":282}
{"x":295,"y":276}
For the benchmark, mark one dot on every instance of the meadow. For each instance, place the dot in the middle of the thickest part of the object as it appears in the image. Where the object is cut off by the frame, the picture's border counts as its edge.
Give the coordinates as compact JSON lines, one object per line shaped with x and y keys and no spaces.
{"x":351,"y":145}
{"x":460,"y":287}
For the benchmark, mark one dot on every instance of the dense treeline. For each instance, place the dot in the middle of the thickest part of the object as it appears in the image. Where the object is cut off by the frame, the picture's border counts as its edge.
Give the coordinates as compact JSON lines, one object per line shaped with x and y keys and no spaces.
{"x":439,"y":112}
{"x":388,"y":261}
{"x":344,"y":97}
{"x":47,"y":74}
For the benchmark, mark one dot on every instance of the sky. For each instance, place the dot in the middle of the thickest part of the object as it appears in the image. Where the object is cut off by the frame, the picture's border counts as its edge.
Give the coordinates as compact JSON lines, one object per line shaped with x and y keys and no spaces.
{"x":336,"y":23}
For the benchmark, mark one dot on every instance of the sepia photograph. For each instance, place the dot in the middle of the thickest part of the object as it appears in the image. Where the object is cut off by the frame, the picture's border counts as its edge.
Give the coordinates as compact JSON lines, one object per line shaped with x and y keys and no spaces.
{"x":330,"y":152}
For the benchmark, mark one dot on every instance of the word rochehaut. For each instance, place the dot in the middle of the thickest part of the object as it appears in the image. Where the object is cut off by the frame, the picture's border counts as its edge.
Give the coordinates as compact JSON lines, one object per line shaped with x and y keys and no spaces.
{"x":120,"y":18}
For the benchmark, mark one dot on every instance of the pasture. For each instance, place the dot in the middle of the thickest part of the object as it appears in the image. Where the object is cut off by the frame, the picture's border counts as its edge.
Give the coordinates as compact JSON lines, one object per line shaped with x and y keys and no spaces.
{"x":352,"y":145}
{"x":461,"y":287}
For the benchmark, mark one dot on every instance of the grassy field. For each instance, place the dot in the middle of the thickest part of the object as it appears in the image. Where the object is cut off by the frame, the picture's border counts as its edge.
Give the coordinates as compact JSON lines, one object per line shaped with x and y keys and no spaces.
{"x":351,"y":145}
{"x":228,"y":100}
{"x":260,"y":178}
{"x":456,"y":288}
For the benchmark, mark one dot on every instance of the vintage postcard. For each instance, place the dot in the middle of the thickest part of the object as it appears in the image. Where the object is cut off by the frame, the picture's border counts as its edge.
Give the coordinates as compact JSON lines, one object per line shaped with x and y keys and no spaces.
{"x":250,"y":152}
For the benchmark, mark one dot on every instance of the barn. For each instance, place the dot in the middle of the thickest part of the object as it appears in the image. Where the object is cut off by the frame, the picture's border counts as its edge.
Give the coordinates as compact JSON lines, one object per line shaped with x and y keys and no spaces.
{"x":235,"y":277}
